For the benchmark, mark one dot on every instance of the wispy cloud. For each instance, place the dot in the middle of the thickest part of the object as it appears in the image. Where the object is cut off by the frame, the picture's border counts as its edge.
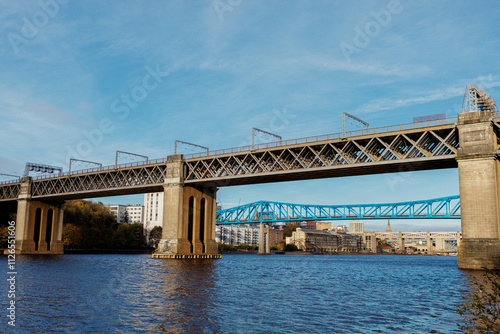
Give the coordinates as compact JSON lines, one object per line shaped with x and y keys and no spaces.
{"x":389,"y":103}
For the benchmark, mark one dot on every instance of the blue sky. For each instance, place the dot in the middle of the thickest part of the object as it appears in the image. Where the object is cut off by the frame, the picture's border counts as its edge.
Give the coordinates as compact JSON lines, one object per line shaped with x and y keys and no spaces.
{"x":84,"y":79}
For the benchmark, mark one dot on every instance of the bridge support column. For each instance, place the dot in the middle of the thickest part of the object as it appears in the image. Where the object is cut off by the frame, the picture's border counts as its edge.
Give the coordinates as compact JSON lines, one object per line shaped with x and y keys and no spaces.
{"x":188,"y":217}
{"x":401,"y":243}
{"x":440,"y":244}
{"x":430,"y":244}
{"x":39,"y":224}
{"x":479,"y":173}
{"x":264,"y":246}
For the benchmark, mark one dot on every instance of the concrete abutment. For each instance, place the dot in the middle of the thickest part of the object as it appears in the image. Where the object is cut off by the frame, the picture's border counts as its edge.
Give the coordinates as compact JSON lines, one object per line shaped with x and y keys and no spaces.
{"x":39,"y":224}
{"x":478,"y":169}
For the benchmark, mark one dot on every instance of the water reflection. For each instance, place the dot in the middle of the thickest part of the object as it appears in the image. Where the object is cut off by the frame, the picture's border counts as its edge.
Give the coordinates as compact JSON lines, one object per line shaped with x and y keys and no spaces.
{"x":239,"y":294}
{"x":188,"y":293}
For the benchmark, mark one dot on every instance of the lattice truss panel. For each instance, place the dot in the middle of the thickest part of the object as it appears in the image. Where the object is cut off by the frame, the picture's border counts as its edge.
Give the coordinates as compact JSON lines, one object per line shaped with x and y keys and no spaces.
{"x":270,"y":212}
{"x":10,"y":191}
{"x":386,"y":147}
{"x":136,"y":177}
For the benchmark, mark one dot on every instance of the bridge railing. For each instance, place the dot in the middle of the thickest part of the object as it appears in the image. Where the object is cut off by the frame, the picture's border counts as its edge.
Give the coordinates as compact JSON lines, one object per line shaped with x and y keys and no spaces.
{"x":385,"y":129}
{"x":10,"y":181}
{"x":103,"y":168}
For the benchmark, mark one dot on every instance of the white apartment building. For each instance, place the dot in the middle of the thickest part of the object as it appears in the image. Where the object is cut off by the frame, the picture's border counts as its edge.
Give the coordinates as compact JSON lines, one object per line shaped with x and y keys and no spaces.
{"x":127,"y":213}
{"x":135,"y":213}
{"x":356,"y":227}
{"x":238,"y":234}
{"x":153,"y":212}
{"x":118,"y":212}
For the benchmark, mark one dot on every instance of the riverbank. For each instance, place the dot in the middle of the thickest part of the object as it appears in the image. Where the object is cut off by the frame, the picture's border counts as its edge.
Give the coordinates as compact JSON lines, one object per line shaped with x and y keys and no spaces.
{"x":109,"y":251}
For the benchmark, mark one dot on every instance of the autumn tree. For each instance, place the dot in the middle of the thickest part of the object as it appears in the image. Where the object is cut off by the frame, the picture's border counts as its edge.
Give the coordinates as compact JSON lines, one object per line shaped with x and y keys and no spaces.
{"x":287,"y":231}
{"x":155,"y":235}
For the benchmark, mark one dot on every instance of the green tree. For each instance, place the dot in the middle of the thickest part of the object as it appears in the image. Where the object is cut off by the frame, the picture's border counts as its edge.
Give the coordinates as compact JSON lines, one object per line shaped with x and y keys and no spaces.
{"x":95,"y":225}
{"x":155,"y":236}
{"x":225,"y":247}
{"x":481,"y":309}
{"x":287,"y":231}
{"x":72,"y":236}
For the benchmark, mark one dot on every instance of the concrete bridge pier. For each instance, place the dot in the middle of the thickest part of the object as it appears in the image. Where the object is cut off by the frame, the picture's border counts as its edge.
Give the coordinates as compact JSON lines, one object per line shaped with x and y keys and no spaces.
{"x":430,"y":244}
{"x":264,"y":246}
{"x":478,"y":171}
{"x":38,"y":224}
{"x":188,"y":217}
{"x":401,"y":243}
{"x":440,"y":244}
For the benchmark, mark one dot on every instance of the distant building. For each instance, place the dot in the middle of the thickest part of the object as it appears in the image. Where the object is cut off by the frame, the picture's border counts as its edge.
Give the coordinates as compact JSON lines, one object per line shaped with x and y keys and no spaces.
{"x":118,"y":212}
{"x":127,"y":213}
{"x":339,"y":228}
{"x":135,"y":213}
{"x":237,"y":234}
{"x":323,"y":226}
{"x":369,"y":240}
{"x":314,"y":240}
{"x":153,"y":212}
{"x":275,"y":236}
{"x":311,"y":225}
{"x":356,"y":227}
{"x":349,"y":243}
{"x":388,"y":226}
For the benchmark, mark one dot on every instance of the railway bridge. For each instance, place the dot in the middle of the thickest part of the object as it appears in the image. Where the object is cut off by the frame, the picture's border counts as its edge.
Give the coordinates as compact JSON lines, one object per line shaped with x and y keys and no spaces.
{"x":469,"y":142}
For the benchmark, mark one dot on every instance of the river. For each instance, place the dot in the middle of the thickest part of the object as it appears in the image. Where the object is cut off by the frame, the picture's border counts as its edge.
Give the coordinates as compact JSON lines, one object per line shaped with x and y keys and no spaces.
{"x":236,"y":294}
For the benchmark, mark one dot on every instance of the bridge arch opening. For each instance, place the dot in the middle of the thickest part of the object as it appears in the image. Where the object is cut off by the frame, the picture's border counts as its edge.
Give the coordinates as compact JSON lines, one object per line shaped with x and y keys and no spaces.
{"x":202,"y":222}
{"x":190,"y":222}
{"x":38,"y":225}
{"x":48,"y":232}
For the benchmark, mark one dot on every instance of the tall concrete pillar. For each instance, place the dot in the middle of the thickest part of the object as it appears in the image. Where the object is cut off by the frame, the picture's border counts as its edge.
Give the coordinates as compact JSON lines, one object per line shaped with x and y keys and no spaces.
{"x":401,"y":243}
{"x":430,"y":245}
{"x":264,"y":247}
{"x":38,"y":224}
{"x":440,"y":244}
{"x":268,"y":239}
{"x":188,"y":217}
{"x":478,"y":172}
{"x":459,"y":239}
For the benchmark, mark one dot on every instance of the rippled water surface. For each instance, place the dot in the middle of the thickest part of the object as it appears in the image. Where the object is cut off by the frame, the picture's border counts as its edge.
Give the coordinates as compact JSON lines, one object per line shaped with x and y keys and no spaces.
{"x":236,"y":294}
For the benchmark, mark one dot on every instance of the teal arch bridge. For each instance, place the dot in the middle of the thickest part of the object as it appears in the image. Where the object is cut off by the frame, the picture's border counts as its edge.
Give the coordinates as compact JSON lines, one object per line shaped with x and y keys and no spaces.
{"x":276,"y":212}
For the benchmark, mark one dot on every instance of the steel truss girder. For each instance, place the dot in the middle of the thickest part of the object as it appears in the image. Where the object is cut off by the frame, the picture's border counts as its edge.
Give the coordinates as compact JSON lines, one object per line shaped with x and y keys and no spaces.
{"x":424,"y":144}
{"x":10,"y":191}
{"x":138,"y":177}
{"x":275,"y":212}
